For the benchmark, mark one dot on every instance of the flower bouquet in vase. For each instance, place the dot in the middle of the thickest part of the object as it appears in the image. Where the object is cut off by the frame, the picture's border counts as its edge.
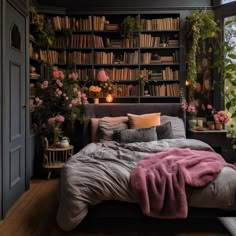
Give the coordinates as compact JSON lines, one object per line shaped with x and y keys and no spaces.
{"x":95,"y":90}
{"x":221,"y":117}
{"x":55,"y":122}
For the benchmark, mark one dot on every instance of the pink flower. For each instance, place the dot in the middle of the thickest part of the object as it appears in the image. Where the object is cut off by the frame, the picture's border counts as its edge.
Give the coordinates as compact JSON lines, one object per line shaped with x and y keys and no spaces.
{"x":70,"y":105}
{"x":59,"y":83}
{"x":102,"y":77}
{"x":56,"y":74}
{"x":209,"y":107}
{"x":61,"y":74}
{"x":222,"y":117}
{"x":60,"y":118}
{"x":191,"y":109}
{"x":44,"y":85}
{"x":51,"y":120}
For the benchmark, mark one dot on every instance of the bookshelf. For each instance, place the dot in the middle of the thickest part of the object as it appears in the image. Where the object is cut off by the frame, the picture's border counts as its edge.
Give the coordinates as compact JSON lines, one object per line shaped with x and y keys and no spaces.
{"x":144,"y":61}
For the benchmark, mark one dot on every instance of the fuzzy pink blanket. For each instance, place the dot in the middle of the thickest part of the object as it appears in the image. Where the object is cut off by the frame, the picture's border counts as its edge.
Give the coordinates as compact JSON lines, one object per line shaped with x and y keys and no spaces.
{"x":159,"y":180}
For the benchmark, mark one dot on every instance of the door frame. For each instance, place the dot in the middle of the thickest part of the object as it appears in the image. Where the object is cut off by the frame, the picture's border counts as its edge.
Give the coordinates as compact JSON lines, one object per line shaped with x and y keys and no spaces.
{"x":24,"y":11}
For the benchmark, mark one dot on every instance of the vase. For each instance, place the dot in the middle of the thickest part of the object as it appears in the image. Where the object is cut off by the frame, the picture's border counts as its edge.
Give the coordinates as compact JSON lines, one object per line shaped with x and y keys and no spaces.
{"x":96,"y":100}
{"x":192,"y":123}
{"x":211,"y":125}
{"x":219,"y":125}
{"x":56,"y":136}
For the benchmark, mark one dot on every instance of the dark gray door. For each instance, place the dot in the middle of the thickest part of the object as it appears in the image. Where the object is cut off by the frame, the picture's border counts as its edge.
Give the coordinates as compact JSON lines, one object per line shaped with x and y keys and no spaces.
{"x":14,"y":109}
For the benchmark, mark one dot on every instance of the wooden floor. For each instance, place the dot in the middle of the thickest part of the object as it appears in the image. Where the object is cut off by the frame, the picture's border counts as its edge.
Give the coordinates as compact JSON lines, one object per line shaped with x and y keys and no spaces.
{"x":34,"y":215}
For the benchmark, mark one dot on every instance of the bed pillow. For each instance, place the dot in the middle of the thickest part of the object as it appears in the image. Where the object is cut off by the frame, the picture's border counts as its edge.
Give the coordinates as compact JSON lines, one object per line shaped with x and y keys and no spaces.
{"x":143,"y":121}
{"x":106,"y":128}
{"x":136,"y":135}
{"x":164,"y":131}
{"x":94,"y":125}
{"x":177,"y":124}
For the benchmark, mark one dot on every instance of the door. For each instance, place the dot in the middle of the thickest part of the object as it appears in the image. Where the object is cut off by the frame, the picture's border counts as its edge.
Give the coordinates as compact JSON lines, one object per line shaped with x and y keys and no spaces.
{"x":14,"y":107}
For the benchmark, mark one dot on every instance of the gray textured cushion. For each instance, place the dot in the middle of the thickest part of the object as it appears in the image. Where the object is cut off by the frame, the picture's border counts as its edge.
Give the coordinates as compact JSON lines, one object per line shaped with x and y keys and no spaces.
{"x":136,"y":135}
{"x":106,"y":128}
{"x":164,"y":131}
{"x":177,"y":125}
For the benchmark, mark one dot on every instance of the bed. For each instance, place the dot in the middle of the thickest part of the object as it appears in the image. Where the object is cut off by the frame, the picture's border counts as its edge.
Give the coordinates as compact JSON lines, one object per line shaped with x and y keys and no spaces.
{"x":99,"y":180}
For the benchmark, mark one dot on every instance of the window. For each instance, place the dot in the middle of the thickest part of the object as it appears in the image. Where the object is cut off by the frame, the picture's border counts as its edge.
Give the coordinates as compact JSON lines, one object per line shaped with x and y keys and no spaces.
{"x":15,"y":40}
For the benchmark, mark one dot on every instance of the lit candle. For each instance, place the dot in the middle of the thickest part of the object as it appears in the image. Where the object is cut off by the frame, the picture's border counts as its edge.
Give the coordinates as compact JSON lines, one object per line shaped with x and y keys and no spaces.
{"x":109,"y":98}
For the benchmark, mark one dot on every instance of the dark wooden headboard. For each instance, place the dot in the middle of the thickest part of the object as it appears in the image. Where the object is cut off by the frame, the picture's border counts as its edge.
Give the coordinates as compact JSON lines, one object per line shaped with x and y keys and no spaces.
{"x":121,"y":109}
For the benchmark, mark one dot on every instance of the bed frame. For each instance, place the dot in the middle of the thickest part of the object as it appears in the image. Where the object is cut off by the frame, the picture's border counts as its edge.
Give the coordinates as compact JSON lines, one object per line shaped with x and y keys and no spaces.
{"x":121,"y":109}
{"x":121,"y":210}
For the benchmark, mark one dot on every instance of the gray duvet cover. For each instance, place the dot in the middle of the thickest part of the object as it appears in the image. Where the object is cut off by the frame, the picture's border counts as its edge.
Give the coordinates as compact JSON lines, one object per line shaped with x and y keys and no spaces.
{"x":101,"y":171}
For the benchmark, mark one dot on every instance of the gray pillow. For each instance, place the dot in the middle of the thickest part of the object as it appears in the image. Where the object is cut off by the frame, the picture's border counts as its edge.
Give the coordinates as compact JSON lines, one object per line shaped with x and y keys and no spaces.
{"x":106,"y":128}
{"x":164,"y":131}
{"x":136,"y":135}
{"x":177,"y":124}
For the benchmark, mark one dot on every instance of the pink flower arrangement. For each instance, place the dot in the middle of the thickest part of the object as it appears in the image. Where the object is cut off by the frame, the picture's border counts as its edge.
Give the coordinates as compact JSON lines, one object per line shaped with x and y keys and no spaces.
{"x":57,"y":74}
{"x":57,"y":99}
{"x":189,"y":108}
{"x":221,"y":117}
{"x":55,"y":122}
{"x":102,"y":77}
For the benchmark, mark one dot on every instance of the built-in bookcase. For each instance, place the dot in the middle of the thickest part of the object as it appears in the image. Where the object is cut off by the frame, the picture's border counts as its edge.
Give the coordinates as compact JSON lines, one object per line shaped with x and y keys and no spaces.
{"x":144,"y":62}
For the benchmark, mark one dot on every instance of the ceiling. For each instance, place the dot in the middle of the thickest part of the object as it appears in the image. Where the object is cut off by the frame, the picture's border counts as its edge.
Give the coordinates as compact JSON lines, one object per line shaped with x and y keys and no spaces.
{"x":105,"y":4}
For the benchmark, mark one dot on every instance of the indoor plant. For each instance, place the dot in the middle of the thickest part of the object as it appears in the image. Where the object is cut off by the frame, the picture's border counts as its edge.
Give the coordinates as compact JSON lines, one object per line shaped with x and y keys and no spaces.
{"x":59,"y":96}
{"x":202,"y":29}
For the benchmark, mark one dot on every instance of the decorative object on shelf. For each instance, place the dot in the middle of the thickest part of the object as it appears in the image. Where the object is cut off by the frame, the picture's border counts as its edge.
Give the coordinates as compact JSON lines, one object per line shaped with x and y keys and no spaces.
{"x":209,"y":111}
{"x":129,"y":26}
{"x":211,"y":125}
{"x":65,"y":142}
{"x":96,"y":100}
{"x":192,"y":123}
{"x":102,"y":77}
{"x":200,"y":123}
{"x":95,"y":91}
{"x":109,"y":98}
{"x":221,"y":117}
{"x":219,"y":125}
{"x":105,"y":84}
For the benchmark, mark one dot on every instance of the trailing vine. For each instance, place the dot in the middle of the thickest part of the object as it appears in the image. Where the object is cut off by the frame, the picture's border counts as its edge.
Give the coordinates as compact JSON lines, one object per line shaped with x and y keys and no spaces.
{"x":201,"y":26}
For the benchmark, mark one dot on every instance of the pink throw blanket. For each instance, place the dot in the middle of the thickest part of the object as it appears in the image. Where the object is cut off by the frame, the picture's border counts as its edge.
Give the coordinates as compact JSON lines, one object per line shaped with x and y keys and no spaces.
{"x":159,"y":180}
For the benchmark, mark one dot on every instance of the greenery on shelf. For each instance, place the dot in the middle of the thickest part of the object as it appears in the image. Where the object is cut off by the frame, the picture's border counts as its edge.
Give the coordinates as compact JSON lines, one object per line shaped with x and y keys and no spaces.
{"x":202,"y":29}
{"x":43,"y":32}
{"x":205,"y":37}
{"x":130,"y":26}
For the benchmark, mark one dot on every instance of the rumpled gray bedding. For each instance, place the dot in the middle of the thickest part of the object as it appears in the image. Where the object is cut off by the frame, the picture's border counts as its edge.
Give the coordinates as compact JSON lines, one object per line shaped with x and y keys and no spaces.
{"x":101,"y":171}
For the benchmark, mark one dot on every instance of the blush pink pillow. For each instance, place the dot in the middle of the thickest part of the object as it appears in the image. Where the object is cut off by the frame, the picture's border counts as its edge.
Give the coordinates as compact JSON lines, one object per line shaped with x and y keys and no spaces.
{"x":94,"y":125}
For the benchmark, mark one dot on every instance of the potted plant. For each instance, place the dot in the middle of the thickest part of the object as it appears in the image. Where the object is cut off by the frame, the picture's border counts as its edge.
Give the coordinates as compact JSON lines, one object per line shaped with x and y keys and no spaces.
{"x":130,"y":27}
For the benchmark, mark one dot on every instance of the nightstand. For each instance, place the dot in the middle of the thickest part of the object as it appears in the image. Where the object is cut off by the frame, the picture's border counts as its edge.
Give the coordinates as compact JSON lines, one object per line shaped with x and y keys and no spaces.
{"x":215,"y":138}
{"x":55,"y":157}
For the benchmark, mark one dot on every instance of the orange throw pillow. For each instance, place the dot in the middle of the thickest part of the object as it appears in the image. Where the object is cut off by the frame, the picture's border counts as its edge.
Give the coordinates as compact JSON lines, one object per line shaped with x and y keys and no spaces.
{"x":143,"y":121}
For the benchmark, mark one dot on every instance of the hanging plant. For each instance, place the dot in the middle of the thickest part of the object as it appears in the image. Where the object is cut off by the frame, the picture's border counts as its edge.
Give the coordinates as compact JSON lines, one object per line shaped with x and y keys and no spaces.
{"x":201,"y":26}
